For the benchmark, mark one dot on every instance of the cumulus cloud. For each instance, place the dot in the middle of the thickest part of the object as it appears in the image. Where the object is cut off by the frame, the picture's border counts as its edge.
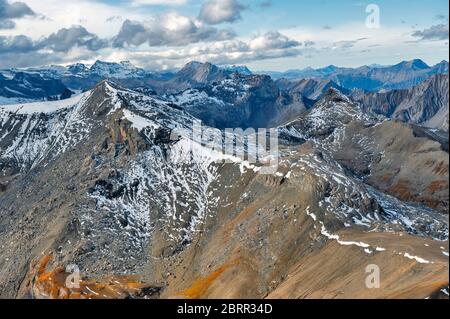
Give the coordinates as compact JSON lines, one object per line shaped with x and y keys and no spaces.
{"x":10,"y":11}
{"x":16,"y":44}
{"x":67,"y":38}
{"x":219,"y":11}
{"x":272,"y":40}
{"x":171,"y":29}
{"x":166,"y":40}
{"x":42,"y":57}
{"x":435,"y":32}
{"x":270,"y":45}
{"x":67,"y":44}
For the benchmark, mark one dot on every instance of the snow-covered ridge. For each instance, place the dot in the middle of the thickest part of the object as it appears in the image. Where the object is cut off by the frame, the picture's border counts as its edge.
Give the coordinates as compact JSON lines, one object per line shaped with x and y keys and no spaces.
{"x":33,"y":132}
{"x":123,"y":69}
{"x":44,"y":107}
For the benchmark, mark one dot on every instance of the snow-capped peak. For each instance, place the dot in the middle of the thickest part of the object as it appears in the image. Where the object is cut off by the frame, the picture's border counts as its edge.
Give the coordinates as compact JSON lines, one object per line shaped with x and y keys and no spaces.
{"x":124,"y":69}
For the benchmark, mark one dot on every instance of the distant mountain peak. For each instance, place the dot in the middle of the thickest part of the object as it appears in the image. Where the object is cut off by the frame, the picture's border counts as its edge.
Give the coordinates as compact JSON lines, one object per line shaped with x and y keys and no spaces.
{"x":123,"y":69}
{"x":200,"y":72}
{"x":192,"y":64}
{"x":415,"y":64}
{"x":330,"y":68}
{"x":242,"y":69}
{"x":334,"y":95}
{"x":77,"y":68}
{"x":420,"y":64}
{"x":198,"y":65}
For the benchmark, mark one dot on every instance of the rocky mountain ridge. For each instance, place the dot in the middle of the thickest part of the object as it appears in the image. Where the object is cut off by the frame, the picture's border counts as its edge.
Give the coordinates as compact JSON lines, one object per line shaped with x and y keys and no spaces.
{"x":425,"y":104}
{"x":112,"y":182}
{"x":400,"y":76}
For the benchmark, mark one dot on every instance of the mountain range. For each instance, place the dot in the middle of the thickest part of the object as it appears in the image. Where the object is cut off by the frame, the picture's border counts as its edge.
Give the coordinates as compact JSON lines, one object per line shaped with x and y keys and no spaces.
{"x":370,"y":78}
{"x":425,"y":104}
{"x":263,"y":102}
{"x":111,"y":181}
{"x":102,"y":171}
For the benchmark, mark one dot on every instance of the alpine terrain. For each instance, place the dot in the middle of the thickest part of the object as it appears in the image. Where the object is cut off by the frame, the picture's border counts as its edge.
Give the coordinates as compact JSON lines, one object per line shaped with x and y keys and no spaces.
{"x":112,"y":191}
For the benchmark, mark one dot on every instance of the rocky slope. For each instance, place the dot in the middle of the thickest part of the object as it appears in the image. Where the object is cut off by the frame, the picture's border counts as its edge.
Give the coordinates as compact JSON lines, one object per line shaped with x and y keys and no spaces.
{"x":425,"y":104}
{"x":23,"y":87}
{"x":310,"y":88}
{"x":242,"y":101}
{"x":377,"y":151}
{"x":111,"y":181}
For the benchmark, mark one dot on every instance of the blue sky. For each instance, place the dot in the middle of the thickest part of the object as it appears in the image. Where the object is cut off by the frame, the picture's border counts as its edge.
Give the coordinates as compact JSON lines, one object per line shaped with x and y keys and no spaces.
{"x":263,"y":34}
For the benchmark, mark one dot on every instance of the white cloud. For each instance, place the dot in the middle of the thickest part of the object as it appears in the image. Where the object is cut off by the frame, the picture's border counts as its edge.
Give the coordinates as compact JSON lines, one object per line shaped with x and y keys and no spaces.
{"x":272,"y":40}
{"x":66,"y":13}
{"x":387,"y":45}
{"x":170,"y":29}
{"x":270,"y":45}
{"x":218,"y":11}
{"x":170,"y":39}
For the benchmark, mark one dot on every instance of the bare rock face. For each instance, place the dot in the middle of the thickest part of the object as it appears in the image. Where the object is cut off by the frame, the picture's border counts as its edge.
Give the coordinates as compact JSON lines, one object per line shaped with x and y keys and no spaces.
{"x":311,"y":88}
{"x":101,"y":181}
{"x":425,"y":104}
{"x":243,"y":101}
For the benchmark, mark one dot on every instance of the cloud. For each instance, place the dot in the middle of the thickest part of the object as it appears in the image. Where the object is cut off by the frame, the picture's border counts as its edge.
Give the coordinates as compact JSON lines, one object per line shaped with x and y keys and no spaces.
{"x":39,"y":58}
{"x":67,"y":44}
{"x":272,"y":40}
{"x":10,"y":11}
{"x":270,"y":45}
{"x":346,"y":44}
{"x":219,"y":11}
{"x":67,"y":38}
{"x":16,"y":44}
{"x":76,"y":43}
{"x":113,"y":19}
{"x":19,"y":60}
{"x":435,"y":32}
{"x":171,"y":29}
{"x":7,"y":24}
